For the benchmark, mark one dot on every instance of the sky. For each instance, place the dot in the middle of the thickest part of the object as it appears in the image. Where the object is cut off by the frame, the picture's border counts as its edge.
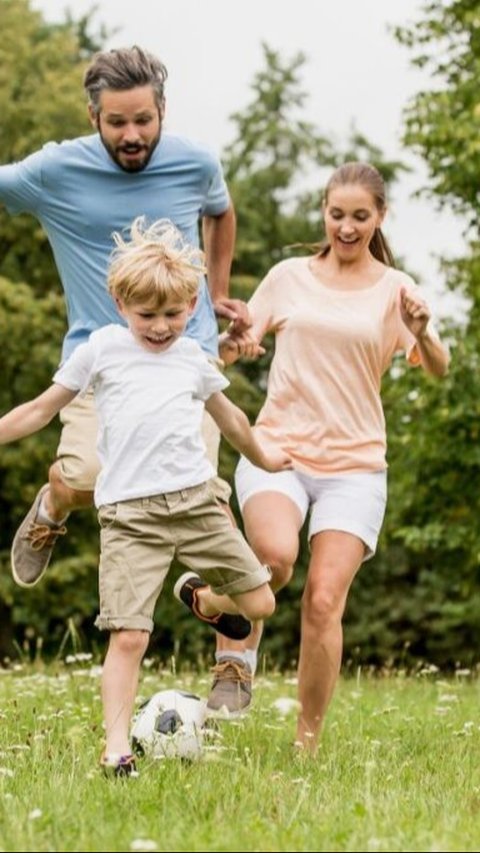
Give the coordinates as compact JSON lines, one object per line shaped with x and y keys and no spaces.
{"x":355,"y":72}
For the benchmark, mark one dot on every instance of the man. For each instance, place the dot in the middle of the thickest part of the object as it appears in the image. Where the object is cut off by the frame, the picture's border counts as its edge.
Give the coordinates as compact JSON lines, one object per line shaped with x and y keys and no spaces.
{"x":81,"y":191}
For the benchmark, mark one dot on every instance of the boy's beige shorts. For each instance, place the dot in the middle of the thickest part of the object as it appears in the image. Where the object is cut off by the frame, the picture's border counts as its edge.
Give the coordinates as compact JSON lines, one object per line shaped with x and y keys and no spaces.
{"x":140,"y":538}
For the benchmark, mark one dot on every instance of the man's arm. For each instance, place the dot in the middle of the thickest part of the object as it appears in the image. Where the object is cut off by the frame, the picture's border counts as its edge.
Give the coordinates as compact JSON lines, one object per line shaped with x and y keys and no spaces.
{"x":33,"y":416}
{"x":219,"y":243}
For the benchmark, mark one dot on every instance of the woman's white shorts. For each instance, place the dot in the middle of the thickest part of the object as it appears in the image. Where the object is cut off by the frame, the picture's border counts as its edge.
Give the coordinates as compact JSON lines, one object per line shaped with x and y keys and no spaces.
{"x":352,"y":503}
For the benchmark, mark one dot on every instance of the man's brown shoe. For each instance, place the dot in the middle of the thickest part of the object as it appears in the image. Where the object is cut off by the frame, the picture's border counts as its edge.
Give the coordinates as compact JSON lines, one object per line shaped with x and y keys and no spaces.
{"x":33,"y":545}
{"x":231,"y":693}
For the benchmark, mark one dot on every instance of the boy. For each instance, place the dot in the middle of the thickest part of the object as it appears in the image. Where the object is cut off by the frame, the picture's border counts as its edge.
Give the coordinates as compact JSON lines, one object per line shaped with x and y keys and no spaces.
{"x":153,"y":493}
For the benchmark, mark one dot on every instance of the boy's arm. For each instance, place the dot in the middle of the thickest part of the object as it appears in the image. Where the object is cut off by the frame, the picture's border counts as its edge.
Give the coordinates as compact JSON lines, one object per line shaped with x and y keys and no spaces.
{"x":234,"y":425}
{"x":34,"y":415}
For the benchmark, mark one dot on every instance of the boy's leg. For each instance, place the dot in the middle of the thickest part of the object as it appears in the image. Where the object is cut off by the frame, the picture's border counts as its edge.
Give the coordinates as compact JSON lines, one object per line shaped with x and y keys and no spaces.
{"x":217,"y":551}
{"x":254,"y":604}
{"x":135,"y":556}
{"x":71,"y":483}
{"x":119,"y":687}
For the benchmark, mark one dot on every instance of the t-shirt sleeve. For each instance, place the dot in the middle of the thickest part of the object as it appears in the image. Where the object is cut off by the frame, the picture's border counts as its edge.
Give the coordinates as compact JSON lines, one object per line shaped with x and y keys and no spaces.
{"x":21,"y":184}
{"x":217,"y":199}
{"x":210,"y":380}
{"x":77,"y":373}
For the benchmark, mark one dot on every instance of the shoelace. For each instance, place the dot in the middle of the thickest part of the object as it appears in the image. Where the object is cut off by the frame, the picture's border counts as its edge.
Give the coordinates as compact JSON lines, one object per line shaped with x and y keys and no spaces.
{"x":230,"y":670}
{"x":41,"y":535}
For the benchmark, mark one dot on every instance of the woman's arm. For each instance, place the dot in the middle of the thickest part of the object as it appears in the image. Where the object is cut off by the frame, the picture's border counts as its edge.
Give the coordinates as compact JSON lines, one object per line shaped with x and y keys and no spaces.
{"x":415,"y":314}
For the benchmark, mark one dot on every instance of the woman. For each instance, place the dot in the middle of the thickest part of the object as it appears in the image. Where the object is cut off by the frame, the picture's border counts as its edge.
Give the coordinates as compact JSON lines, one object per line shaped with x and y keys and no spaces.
{"x":338,"y":318}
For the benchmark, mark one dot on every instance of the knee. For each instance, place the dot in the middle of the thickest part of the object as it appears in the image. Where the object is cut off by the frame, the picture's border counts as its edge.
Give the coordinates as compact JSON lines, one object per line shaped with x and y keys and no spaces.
{"x":280,"y":564}
{"x":64,"y":494}
{"x":55,"y":478}
{"x":130,"y":643}
{"x":320,"y":608}
{"x":282,"y":572}
{"x":261,"y":605}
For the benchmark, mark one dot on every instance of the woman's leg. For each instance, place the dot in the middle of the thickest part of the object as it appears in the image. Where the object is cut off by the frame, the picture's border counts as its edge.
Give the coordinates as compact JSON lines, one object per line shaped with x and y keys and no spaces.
{"x":272,"y":523}
{"x":335,"y":559}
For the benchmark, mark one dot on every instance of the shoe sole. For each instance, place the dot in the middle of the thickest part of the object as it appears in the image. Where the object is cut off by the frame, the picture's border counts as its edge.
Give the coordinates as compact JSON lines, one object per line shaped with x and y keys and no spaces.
{"x":180,"y":582}
{"x":15,"y":576}
{"x":224,"y":623}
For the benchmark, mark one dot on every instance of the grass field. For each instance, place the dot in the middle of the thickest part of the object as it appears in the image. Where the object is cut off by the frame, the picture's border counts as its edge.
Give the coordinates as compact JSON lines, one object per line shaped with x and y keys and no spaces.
{"x":398,"y":769}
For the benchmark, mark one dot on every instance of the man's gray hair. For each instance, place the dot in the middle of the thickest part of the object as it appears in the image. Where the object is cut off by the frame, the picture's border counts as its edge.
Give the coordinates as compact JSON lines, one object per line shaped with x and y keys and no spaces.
{"x":123,"y":69}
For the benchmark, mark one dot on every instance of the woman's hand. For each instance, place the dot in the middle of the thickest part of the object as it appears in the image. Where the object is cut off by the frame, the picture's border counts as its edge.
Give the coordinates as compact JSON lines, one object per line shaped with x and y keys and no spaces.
{"x":414,"y":312}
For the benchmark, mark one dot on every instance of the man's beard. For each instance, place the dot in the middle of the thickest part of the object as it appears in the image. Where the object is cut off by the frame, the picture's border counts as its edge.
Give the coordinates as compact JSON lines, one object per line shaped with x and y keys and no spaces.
{"x":134,"y":165}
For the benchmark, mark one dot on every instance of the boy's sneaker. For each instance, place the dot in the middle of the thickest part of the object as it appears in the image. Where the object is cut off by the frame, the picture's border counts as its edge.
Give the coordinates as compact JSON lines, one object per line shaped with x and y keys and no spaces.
{"x":231,"y":693}
{"x":33,"y":545}
{"x":235,"y":627}
{"x":119,"y":766}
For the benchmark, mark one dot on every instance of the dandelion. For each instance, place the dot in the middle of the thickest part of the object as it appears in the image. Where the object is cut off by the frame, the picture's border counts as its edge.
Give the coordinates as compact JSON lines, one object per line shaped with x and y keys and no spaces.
{"x":35,"y":814}
{"x":80,"y":657}
{"x":285,"y":705}
{"x":430,"y":669}
{"x":146,"y":844}
{"x":463,"y":673}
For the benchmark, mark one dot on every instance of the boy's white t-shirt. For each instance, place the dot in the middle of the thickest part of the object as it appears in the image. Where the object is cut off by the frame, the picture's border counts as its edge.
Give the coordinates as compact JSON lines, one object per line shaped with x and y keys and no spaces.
{"x":150,"y":409}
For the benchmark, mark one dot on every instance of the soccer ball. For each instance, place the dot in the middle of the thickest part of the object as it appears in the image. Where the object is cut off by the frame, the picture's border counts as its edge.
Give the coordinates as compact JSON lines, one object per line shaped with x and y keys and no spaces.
{"x":170,"y":725}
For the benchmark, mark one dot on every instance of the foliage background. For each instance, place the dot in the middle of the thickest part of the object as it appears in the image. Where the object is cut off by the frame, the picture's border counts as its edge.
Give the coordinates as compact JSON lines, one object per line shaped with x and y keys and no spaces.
{"x":419,"y":597}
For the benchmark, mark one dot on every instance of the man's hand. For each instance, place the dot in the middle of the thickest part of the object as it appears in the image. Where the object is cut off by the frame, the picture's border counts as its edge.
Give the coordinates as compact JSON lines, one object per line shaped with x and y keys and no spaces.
{"x":234,"y":310}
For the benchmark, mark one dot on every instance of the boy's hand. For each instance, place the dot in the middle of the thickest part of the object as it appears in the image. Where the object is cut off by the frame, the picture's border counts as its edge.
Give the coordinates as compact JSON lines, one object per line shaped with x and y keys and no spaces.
{"x":242,"y":345}
{"x":276,"y":460}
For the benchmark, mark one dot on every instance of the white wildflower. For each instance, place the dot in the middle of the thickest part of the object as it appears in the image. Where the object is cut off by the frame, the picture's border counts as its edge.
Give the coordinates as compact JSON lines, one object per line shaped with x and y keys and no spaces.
{"x":146,"y":844}
{"x":285,"y":705}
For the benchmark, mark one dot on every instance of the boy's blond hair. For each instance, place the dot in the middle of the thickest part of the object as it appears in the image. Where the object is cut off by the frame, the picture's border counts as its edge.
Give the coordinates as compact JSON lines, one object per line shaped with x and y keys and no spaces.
{"x":154,"y":265}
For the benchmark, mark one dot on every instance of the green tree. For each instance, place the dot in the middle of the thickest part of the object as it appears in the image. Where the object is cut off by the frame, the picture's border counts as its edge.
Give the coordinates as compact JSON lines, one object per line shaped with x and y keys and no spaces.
{"x":41,"y":99}
{"x":442,"y":122}
{"x":422,"y":597}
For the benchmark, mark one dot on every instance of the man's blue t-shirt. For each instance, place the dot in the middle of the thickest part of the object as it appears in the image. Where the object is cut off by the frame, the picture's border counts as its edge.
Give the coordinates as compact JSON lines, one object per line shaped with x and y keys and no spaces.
{"x":80,"y":196}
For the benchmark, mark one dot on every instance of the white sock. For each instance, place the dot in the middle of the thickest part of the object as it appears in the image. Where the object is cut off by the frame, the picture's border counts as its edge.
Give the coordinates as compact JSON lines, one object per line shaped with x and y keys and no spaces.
{"x":249,"y":656}
{"x":42,"y":515}
{"x":241,"y":656}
